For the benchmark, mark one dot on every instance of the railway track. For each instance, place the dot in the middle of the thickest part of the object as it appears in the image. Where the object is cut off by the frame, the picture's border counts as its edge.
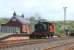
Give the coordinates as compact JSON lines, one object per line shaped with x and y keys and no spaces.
{"x":26,"y":42}
{"x":67,"y":45}
{"x":40,"y":44}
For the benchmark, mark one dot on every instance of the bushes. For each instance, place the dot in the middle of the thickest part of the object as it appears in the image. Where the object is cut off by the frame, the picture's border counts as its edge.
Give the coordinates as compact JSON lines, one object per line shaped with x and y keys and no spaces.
{"x":58,"y":29}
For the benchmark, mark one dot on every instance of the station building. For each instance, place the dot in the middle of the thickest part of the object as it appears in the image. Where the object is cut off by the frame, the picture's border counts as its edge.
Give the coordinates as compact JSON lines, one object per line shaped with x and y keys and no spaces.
{"x":17,"y":24}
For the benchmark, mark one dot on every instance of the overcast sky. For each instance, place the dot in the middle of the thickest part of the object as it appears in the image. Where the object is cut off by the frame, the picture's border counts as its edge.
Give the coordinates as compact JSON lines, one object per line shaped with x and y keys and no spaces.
{"x":48,"y":9}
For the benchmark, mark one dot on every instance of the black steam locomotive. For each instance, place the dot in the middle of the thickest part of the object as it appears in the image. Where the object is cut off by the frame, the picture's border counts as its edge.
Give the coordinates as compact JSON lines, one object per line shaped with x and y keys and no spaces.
{"x":41,"y":30}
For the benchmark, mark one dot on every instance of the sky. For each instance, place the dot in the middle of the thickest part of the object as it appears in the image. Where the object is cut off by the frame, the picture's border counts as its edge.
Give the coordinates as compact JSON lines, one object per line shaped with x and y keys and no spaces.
{"x":51,"y":10}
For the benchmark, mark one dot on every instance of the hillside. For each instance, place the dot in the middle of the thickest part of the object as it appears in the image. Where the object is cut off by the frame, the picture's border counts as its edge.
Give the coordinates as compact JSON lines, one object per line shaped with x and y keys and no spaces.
{"x":60,"y":24}
{"x":3,"y":20}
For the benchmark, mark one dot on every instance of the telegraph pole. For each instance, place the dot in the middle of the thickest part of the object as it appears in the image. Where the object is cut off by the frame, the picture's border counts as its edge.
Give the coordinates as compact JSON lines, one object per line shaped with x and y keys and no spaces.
{"x":64,"y":18}
{"x":65,"y":14}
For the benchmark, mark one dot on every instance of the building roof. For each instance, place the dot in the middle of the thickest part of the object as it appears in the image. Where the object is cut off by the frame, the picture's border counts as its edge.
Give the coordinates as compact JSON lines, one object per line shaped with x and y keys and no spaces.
{"x":22,"y":20}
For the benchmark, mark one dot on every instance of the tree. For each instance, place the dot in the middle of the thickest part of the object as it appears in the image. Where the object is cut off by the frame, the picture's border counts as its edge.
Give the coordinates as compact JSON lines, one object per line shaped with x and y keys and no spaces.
{"x":33,"y":21}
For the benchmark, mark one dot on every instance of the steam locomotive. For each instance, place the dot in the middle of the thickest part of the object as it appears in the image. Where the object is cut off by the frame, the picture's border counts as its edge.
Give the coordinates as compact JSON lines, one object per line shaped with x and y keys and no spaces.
{"x":43,"y":30}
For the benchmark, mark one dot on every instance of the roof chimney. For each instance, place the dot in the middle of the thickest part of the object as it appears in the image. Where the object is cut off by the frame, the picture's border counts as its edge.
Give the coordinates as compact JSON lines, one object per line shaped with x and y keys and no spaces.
{"x":14,"y":14}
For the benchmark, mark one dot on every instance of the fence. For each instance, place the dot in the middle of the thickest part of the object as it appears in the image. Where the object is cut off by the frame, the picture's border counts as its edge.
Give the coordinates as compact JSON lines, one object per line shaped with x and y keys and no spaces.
{"x":9,"y":29}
